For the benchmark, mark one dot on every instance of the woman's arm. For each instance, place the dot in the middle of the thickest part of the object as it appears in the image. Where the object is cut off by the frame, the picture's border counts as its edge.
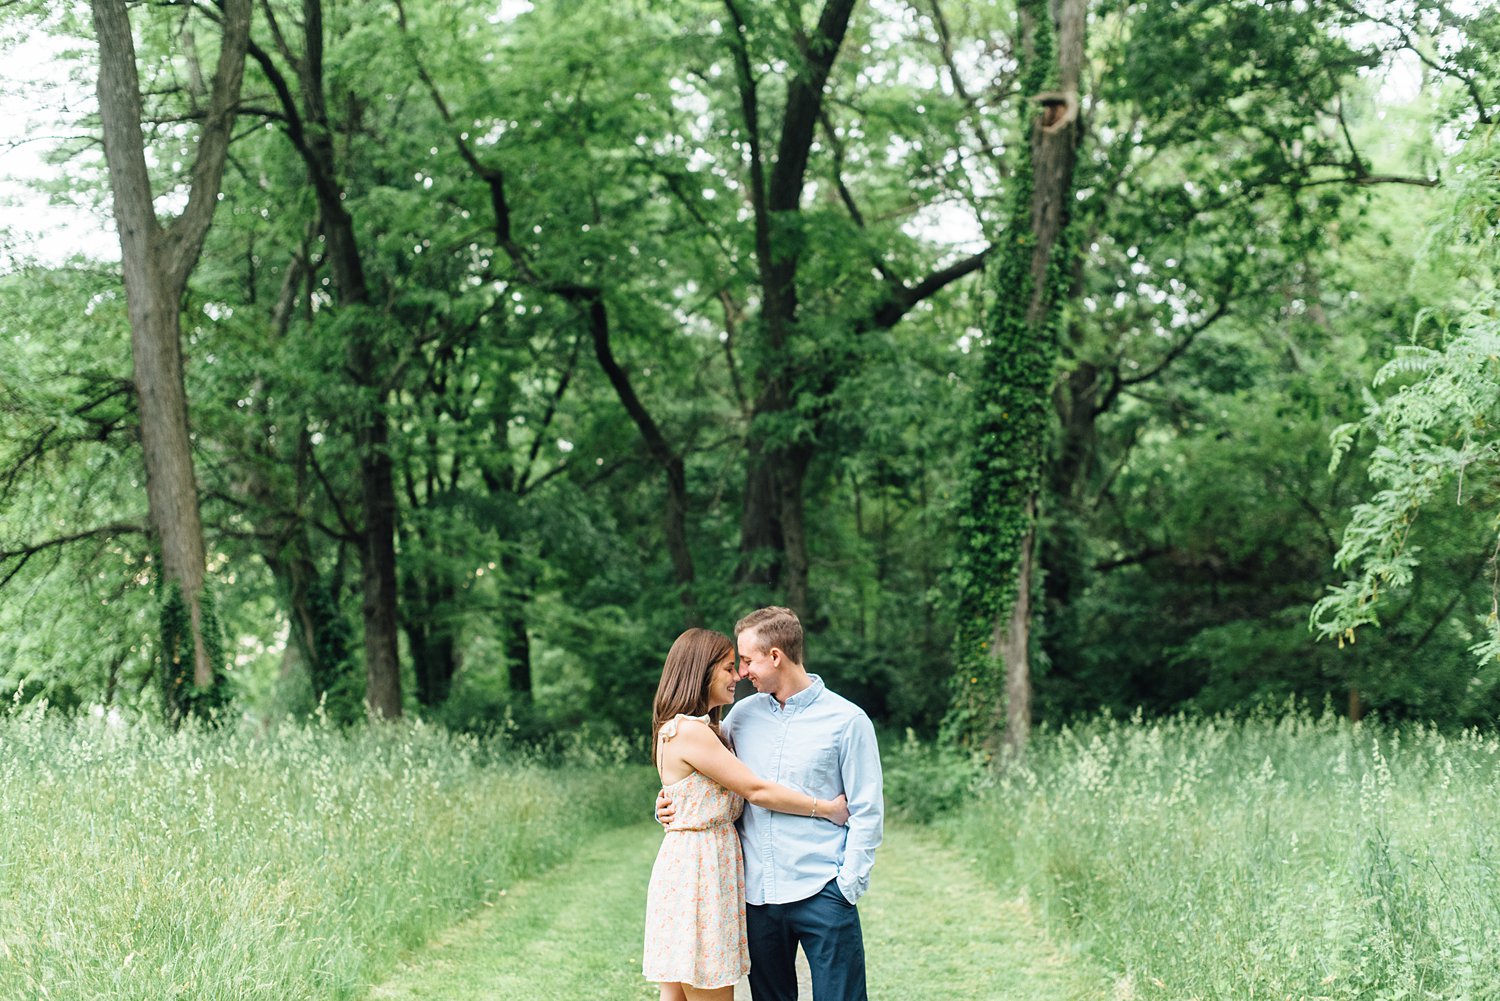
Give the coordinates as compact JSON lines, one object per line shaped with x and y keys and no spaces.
{"x":701,"y":749}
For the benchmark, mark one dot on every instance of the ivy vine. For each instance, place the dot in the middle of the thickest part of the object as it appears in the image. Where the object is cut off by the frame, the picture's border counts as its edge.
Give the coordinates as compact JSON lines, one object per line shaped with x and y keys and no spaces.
{"x":1010,"y":429}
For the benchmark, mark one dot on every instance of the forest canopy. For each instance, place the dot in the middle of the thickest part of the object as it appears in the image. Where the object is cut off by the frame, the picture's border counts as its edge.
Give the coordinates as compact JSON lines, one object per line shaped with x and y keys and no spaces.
{"x":451,"y":358}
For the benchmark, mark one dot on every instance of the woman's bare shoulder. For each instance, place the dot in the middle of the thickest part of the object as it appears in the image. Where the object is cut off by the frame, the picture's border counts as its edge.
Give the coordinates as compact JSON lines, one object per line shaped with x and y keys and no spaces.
{"x":695,"y":730}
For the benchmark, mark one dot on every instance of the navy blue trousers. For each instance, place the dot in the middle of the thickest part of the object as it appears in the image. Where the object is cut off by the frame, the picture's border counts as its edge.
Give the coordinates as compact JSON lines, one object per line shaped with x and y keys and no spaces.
{"x":827,"y":925}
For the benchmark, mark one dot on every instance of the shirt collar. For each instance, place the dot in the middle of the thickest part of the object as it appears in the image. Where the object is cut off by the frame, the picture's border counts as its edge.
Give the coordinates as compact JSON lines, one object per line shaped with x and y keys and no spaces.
{"x":802,"y":699}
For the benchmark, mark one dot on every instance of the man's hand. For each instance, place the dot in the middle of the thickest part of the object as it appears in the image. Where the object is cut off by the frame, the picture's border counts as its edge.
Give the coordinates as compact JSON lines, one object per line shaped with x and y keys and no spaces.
{"x":665,"y":811}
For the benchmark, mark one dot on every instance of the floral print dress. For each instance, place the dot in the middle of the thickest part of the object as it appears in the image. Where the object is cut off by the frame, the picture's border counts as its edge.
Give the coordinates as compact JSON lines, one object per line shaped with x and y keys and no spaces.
{"x":695,"y":908}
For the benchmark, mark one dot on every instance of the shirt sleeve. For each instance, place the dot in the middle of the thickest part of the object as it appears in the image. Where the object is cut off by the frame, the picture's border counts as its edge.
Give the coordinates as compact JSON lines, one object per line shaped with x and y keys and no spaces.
{"x":859,"y":761}
{"x":726,"y":727}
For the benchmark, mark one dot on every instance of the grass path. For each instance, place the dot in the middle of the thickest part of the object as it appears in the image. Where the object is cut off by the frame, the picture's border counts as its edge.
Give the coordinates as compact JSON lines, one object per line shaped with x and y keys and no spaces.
{"x":931,"y":930}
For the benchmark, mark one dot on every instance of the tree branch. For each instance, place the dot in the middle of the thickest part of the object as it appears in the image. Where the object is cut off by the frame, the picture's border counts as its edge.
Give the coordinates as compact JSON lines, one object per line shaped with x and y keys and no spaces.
{"x":903,"y":297}
{"x":351,"y":532}
{"x":1183,"y":343}
{"x":189,"y":230}
{"x":804,"y":101}
{"x":494,"y":177}
{"x":1411,"y":46}
{"x":552,"y":404}
{"x":25,"y":553}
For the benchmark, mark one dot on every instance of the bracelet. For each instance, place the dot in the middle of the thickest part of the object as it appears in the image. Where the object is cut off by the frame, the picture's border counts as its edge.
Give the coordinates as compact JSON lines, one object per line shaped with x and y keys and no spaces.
{"x":814,"y":813}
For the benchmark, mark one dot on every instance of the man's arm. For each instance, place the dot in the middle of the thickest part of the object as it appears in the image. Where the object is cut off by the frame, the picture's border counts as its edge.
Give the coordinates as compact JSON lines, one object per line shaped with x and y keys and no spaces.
{"x":859,"y":763}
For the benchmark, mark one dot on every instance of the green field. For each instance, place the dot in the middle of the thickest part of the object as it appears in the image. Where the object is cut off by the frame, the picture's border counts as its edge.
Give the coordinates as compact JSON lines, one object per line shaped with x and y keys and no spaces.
{"x":1275,"y":858}
{"x":295,"y":863}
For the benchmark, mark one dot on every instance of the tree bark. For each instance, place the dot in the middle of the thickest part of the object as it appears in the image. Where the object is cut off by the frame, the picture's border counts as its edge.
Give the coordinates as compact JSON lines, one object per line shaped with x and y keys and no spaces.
{"x":156,"y":264}
{"x":1013,"y":397}
{"x":1012,"y":641}
{"x":377,"y":479}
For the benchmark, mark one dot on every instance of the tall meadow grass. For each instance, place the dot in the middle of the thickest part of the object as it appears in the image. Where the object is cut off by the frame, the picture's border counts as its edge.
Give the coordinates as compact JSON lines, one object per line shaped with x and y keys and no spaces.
{"x":294,"y":863}
{"x":1286,"y":857}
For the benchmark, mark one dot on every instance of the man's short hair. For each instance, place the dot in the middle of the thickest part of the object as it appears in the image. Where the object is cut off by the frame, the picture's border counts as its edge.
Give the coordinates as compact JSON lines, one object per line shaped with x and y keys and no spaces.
{"x":775,"y":626}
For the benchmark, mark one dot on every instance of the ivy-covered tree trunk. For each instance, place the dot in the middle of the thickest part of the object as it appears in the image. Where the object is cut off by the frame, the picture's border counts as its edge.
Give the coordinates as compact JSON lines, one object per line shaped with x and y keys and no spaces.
{"x":156,"y":262}
{"x":996,"y":561}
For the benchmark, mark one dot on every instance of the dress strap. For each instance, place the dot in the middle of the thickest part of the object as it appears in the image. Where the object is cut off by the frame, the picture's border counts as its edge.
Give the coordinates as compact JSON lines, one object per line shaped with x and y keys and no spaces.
{"x":669,"y":728}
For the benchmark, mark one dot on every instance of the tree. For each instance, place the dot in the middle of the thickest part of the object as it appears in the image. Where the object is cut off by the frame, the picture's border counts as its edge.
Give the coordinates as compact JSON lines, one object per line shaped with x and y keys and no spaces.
{"x":567,"y":331}
{"x":996,"y":563}
{"x":311,"y":130}
{"x":157,"y":262}
{"x":797,"y":366}
{"x":1436,"y":434}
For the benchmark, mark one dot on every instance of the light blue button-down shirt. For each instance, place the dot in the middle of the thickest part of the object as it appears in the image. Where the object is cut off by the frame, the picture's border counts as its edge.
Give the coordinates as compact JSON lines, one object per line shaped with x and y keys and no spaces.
{"x":821,"y":744}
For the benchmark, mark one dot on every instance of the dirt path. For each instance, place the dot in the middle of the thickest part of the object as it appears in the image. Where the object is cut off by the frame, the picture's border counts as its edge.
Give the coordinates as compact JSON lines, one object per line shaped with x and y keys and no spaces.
{"x":931,"y":931}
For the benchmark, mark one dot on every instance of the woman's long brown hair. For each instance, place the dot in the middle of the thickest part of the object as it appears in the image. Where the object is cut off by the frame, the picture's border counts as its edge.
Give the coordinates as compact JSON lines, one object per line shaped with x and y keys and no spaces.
{"x":685,"y":678}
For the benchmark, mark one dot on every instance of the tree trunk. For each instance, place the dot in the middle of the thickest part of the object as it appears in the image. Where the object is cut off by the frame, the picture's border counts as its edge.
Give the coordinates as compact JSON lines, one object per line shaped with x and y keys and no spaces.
{"x":1013,"y":399}
{"x":1054,"y":153}
{"x":377,"y":543}
{"x":377,"y":534}
{"x":762,"y":549}
{"x":318,"y":630}
{"x":433,"y":639}
{"x":1011,"y":643}
{"x":434,"y":660}
{"x":378,"y":554}
{"x":171,"y":487}
{"x":156,"y":264}
{"x":518,"y":650}
{"x":773,"y":540}
{"x":793,"y":479}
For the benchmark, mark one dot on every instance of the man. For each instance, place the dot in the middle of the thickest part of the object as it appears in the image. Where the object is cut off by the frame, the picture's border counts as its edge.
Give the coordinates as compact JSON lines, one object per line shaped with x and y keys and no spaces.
{"x":803,"y":877}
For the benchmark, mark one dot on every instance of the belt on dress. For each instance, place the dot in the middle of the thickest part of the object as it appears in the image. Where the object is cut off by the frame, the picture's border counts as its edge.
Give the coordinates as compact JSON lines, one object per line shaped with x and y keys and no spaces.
{"x":710,"y":827}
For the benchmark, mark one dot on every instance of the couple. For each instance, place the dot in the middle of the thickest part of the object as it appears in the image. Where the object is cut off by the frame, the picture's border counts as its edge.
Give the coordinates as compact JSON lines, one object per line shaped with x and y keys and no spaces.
{"x":801,"y":856}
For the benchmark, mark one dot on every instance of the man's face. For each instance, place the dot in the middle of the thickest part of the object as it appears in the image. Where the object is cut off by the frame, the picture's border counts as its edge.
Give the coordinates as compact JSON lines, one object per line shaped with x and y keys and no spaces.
{"x":761,"y":667}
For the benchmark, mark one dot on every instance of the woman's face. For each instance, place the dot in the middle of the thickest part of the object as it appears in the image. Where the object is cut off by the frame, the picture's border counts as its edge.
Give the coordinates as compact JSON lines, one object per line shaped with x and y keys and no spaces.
{"x":723,"y":676}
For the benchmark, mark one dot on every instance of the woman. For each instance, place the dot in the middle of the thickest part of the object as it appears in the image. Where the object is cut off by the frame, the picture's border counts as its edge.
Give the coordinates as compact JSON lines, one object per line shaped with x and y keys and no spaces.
{"x":695,"y":909}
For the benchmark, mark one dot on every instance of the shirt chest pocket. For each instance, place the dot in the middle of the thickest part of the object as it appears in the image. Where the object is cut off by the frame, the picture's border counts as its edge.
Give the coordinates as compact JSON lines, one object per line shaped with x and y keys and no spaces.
{"x":811,"y":761}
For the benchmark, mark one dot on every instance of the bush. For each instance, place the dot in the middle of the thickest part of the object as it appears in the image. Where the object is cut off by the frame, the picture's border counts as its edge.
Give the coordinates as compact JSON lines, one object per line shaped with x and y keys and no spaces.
{"x":925,"y":781}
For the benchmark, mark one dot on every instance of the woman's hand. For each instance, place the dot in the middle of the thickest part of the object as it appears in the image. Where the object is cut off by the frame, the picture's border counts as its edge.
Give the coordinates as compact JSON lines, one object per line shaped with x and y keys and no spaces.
{"x":836,"y":811}
{"x":666,"y":812}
